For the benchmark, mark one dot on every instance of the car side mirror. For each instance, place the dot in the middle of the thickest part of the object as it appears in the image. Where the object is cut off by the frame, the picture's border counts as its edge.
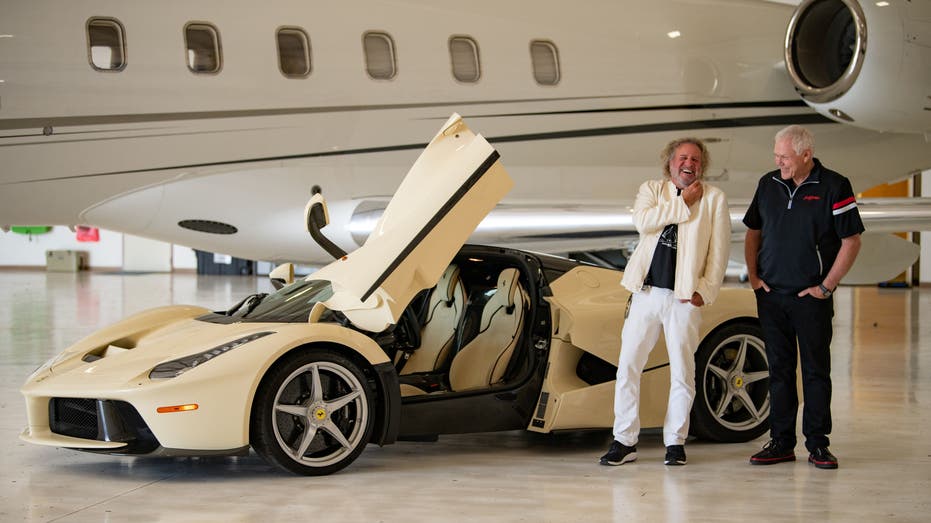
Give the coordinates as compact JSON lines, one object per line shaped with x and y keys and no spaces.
{"x":317,"y":217}
{"x":282,"y":275}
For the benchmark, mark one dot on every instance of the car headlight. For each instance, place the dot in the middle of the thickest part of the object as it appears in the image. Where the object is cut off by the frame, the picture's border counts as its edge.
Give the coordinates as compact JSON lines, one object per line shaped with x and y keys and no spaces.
{"x":174,"y":368}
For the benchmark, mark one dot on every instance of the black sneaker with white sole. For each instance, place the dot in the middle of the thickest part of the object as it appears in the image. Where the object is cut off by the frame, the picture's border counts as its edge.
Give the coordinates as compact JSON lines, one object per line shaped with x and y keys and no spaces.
{"x":675,"y":455}
{"x":619,"y":454}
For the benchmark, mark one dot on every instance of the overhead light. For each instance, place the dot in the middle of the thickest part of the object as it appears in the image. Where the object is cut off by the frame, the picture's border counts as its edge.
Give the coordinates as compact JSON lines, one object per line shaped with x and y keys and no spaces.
{"x":673,"y":34}
{"x":882,"y":4}
{"x":6,"y":36}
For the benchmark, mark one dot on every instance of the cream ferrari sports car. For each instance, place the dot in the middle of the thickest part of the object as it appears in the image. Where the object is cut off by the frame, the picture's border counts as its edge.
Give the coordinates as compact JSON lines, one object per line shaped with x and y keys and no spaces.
{"x":410,"y":336}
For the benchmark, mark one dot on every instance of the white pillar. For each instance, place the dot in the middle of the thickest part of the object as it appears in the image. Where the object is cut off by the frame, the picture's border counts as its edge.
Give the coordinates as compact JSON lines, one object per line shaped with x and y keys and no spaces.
{"x":145,"y":255}
{"x":924,"y":262}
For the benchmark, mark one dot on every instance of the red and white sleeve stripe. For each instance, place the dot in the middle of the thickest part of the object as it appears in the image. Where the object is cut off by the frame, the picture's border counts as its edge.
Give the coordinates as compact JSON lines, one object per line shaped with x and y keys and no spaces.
{"x":844,"y":205}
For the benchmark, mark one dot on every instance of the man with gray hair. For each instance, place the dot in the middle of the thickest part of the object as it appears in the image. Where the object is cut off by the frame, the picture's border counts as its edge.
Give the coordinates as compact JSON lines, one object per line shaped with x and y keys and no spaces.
{"x":677,"y":267}
{"x":803,"y":235}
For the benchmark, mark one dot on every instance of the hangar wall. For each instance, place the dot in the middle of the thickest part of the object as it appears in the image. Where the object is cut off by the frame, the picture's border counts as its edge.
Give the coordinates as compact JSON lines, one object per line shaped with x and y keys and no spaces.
{"x":110,"y":253}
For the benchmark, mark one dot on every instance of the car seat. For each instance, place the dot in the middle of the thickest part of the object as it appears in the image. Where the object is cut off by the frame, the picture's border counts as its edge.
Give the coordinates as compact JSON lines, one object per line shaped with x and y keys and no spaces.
{"x":438,"y":333}
{"x":484,"y":360}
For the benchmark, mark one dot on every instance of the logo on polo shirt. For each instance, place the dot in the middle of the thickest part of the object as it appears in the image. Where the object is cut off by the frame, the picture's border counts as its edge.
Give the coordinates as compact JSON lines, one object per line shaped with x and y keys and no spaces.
{"x":810,"y":197}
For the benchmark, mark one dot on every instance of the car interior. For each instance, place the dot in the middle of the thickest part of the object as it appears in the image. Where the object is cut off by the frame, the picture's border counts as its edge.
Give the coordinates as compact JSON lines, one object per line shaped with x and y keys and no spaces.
{"x":470,"y":329}
{"x":444,"y":311}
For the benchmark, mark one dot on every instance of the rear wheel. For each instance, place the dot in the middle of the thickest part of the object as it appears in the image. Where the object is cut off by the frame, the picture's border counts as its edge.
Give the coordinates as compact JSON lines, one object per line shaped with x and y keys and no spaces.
{"x":732,"y":385}
{"x":312,"y":414}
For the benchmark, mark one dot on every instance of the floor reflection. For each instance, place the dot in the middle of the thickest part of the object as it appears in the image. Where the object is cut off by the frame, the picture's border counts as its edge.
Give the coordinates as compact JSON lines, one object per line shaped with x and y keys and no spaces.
{"x":883,"y":345}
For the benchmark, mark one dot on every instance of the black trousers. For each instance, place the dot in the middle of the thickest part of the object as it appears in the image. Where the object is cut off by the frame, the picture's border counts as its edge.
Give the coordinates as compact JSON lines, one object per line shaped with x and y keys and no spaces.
{"x":789,"y":322}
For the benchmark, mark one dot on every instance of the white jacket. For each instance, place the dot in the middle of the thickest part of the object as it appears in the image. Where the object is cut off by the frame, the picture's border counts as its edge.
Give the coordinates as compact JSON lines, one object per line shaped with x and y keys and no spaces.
{"x":704,"y":238}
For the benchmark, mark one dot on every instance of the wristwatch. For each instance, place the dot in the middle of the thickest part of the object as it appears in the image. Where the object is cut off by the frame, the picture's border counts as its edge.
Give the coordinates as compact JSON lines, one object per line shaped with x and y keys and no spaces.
{"x":824,"y":290}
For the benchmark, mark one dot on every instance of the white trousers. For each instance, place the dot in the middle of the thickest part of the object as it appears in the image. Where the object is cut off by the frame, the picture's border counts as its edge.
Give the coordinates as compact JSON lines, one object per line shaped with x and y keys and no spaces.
{"x":651,"y":310}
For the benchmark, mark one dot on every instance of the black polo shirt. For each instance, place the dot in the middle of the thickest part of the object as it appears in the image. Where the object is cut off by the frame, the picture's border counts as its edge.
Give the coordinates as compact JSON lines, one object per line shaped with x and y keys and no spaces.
{"x":801,"y":226}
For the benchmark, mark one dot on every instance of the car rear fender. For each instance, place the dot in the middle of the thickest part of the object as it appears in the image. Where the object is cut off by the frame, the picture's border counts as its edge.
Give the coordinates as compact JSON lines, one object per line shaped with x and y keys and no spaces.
{"x":732,"y":303}
{"x":589,"y":305}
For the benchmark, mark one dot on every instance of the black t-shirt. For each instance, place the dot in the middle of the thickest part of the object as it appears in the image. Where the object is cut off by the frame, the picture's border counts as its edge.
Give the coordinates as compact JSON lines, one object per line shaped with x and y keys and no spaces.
{"x":662,"y":271}
{"x":801,"y":226}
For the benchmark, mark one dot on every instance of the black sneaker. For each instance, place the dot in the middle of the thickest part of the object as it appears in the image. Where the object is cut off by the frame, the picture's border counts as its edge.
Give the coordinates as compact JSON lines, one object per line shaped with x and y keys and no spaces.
{"x":822,"y":458}
{"x":619,"y":454}
{"x":772,"y":453}
{"x":675,"y":455}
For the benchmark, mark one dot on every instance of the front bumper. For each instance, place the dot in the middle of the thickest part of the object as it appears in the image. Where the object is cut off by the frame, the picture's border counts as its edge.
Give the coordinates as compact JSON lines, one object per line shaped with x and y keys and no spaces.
{"x":96,"y":425}
{"x":106,"y":427}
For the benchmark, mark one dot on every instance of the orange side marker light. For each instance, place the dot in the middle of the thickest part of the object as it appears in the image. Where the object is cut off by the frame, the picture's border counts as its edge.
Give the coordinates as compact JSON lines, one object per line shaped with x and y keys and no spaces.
{"x":177,"y":408}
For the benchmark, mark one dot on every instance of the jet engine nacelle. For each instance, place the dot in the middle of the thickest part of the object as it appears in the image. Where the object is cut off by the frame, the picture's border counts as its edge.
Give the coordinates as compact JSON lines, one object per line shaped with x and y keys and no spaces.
{"x":865,"y":63}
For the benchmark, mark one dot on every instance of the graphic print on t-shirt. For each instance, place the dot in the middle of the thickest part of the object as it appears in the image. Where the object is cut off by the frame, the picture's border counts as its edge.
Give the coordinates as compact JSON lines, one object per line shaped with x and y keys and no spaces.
{"x":669,"y":236}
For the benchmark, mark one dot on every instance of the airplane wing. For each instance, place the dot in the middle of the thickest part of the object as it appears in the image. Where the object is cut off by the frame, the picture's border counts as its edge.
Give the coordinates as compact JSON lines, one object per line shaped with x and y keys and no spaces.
{"x":591,"y":226}
{"x":559,"y":228}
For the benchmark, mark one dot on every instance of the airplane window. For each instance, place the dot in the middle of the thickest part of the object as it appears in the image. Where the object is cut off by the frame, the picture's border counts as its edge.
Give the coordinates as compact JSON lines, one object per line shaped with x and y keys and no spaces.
{"x":106,"y":44}
{"x":293,"y":52}
{"x":545,"y":62}
{"x":463,"y":52}
{"x":379,"y":55}
{"x":203,"y":47}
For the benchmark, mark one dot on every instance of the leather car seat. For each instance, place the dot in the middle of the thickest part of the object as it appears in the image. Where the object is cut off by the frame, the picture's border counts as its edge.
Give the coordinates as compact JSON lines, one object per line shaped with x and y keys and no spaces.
{"x":483,"y":361}
{"x":438,"y":332}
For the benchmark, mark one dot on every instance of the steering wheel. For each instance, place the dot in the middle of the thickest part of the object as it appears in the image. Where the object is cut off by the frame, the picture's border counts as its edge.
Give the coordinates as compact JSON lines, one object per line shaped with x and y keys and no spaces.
{"x":410,"y":327}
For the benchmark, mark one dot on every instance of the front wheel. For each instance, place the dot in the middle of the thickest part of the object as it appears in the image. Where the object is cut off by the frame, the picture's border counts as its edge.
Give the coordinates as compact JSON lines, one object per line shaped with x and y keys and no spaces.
{"x":731,"y":385}
{"x":312,"y":414}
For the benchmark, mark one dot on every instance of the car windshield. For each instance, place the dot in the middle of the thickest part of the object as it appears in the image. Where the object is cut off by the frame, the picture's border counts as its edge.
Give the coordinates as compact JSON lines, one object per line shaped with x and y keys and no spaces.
{"x":291,"y":304}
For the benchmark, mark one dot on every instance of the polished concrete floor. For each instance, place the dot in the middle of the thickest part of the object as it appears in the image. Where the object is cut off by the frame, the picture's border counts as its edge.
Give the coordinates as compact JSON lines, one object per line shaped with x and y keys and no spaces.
{"x":882,"y":435}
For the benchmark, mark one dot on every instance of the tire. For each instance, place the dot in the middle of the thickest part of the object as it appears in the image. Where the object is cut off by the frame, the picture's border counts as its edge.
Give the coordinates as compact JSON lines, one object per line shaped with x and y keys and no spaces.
{"x":731,"y":385}
{"x":312,"y":414}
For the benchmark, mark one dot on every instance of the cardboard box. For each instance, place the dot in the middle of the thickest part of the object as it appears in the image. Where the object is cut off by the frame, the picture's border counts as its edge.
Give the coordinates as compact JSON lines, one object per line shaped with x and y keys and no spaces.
{"x":65,"y":261}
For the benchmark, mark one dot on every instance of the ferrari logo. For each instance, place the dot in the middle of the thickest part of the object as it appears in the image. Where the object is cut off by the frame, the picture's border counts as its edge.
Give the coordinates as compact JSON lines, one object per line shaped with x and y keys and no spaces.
{"x":738,"y":382}
{"x":320,"y":413}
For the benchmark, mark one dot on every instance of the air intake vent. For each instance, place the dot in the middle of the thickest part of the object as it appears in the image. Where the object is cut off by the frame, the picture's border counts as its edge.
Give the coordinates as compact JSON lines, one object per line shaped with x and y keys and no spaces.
{"x":208,"y":226}
{"x":74,"y":417}
{"x":102,"y":420}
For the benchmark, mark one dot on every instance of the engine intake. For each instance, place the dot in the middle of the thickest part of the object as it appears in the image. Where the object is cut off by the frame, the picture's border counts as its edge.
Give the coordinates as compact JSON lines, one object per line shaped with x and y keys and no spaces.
{"x":865,"y":63}
{"x":825,"y":47}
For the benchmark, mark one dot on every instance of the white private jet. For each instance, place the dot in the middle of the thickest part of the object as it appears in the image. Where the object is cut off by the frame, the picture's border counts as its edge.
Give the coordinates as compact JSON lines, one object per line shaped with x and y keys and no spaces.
{"x":206,"y":124}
